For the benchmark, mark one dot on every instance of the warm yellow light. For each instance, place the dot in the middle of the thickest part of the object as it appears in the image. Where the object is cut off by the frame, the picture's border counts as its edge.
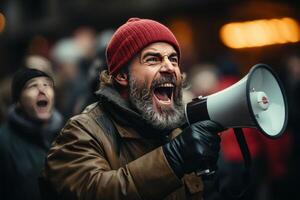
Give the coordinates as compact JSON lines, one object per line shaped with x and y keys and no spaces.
{"x":274,"y":32}
{"x":258,"y":33}
{"x":2,"y":22}
{"x":290,"y":29}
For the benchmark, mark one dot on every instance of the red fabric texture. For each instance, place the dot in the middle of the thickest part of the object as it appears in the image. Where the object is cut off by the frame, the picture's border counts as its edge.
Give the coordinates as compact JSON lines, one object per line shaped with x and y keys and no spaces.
{"x":132,"y":37}
{"x":230,"y":146}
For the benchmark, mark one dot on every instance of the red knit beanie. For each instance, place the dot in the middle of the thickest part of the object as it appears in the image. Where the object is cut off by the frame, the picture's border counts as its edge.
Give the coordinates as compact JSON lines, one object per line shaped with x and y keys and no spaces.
{"x":132,"y":37}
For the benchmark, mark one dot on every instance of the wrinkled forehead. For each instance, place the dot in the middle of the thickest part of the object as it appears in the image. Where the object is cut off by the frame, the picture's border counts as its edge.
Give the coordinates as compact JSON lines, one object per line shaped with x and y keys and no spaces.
{"x":162,"y":48}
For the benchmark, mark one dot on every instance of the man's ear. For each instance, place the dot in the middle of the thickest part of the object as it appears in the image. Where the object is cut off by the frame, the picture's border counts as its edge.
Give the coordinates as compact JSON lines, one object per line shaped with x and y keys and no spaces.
{"x":122,"y":78}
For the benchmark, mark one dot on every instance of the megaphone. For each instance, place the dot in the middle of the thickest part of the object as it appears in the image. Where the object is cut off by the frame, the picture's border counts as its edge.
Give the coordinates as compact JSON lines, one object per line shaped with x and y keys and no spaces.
{"x":257,"y":100}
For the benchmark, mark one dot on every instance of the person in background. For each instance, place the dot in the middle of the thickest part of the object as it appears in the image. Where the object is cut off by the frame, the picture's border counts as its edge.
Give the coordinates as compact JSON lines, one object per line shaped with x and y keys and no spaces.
{"x":26,"y":135}
{"x":134,"y":142}
{"x":31,"y":61}
{"x":66,"y":55}
{"x":204,"y":79}
{"x":89,"y":96}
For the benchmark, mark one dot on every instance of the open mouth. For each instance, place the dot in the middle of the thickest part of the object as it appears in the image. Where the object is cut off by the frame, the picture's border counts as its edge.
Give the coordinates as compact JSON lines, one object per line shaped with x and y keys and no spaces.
{"x":164,"y":92}
{"x":42,"y":103}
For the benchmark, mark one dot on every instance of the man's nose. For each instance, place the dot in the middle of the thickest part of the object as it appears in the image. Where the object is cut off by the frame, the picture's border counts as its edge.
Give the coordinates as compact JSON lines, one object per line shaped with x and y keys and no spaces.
{"x":167,"y":65}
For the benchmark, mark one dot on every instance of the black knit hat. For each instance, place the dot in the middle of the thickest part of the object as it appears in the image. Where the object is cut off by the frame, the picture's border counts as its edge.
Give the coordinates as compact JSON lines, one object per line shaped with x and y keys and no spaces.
{"x":20,"y":79}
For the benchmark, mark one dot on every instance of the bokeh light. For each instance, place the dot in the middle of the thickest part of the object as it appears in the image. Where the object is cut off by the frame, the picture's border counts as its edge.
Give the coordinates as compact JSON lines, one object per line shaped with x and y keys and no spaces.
{"x":2,"y":22}
{"x":258,"y":33}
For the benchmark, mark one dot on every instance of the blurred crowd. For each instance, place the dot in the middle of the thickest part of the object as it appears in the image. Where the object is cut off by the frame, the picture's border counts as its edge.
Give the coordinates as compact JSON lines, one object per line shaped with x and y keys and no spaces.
{"x":76,"y":61}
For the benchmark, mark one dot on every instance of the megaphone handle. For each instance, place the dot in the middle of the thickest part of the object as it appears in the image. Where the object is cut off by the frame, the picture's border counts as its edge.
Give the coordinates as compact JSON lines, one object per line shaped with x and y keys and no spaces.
{"x":239,"y":134}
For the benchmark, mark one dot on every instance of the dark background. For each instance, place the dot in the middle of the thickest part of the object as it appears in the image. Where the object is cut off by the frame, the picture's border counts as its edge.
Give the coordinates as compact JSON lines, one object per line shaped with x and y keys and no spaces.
{"x":50,"y":20}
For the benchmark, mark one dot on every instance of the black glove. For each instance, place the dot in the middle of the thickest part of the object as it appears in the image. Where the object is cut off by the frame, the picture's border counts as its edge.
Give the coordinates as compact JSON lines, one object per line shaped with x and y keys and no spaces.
{"x":196,"y":147}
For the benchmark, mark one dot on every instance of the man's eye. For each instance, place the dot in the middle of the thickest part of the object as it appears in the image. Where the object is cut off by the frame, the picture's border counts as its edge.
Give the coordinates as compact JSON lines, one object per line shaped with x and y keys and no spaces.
{"x":48,"y":84}
{"x":173,"y":60}
{"x":152,"y":60}
{"x":31,"y":85}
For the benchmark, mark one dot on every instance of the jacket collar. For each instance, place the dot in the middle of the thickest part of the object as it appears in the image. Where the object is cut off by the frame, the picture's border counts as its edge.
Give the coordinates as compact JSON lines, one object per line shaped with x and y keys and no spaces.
{"x":127,"y":132}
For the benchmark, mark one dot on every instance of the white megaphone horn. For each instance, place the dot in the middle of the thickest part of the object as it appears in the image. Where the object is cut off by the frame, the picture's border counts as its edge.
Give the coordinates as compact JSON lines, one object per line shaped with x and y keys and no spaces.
{"x":257,"y":100}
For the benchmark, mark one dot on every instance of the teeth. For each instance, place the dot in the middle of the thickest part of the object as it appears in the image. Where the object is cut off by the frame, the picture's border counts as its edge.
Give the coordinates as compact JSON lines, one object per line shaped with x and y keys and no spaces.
{"x":166,"y":85}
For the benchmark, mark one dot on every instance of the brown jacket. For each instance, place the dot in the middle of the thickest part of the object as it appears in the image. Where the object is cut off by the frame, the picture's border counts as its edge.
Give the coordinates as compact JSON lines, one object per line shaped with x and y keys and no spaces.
{"x":84,"y":163}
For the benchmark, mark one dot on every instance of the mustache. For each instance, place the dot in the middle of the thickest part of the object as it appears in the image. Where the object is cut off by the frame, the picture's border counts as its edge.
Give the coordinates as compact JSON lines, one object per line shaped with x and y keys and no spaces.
{"x":164,"y":79}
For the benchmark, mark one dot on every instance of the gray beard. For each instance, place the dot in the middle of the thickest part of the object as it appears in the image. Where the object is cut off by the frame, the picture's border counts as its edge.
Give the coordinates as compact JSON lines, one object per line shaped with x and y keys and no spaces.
{"x":141,"y":98}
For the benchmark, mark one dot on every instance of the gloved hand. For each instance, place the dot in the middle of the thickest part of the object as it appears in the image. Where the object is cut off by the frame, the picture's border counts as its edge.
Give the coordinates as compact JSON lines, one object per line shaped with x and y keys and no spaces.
{"x":196,"y":147}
